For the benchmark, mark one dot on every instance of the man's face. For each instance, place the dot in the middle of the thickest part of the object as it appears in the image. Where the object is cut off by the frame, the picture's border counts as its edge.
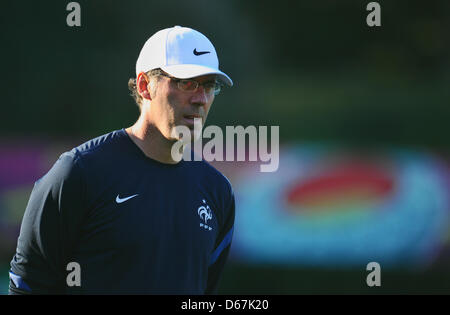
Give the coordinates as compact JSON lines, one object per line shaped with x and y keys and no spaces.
{"x":171,"y":106}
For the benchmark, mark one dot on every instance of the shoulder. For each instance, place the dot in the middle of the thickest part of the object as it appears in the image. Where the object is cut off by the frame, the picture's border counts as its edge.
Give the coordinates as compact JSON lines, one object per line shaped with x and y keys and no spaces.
{"x":72,"y":163}
{"x":100,"y":145}
{"x":66,"y":174}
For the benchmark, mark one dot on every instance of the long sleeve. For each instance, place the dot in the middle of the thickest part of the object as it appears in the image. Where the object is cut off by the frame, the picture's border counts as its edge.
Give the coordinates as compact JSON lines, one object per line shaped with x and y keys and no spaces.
{"x":49,"y":229}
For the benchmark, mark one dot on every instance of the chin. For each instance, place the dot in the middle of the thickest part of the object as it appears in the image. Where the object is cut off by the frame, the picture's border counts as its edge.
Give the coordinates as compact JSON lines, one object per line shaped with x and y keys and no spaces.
{"x":181,"y":133}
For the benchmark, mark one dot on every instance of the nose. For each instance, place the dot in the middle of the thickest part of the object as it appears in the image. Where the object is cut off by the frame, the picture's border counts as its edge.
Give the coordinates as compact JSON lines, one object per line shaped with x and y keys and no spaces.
{"x":199,"y":98}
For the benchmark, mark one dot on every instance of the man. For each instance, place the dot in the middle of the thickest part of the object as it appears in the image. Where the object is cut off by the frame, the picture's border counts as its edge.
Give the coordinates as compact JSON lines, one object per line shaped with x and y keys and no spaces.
{"x":132,"y":218}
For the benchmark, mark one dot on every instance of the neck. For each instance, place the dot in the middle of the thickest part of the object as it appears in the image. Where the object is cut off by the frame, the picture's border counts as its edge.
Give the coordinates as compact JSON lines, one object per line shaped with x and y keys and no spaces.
{"x":150,"y":140}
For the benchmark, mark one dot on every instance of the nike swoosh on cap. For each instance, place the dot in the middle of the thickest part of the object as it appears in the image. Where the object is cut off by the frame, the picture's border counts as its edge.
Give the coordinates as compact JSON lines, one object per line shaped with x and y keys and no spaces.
{"x":120,"y":200}
{"x":198,"y":53}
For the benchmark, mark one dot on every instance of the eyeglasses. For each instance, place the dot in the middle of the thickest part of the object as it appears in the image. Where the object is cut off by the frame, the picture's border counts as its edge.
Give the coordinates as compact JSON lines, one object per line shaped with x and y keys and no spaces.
{"x":211,"y":87}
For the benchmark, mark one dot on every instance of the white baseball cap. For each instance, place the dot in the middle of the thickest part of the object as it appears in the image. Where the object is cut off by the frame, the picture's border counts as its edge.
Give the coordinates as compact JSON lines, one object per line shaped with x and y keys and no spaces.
{"x":181,"y":52}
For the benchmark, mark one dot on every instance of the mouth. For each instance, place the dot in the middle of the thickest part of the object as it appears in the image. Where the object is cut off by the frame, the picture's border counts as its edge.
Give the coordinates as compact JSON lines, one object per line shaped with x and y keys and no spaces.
{"x":190,"y":119}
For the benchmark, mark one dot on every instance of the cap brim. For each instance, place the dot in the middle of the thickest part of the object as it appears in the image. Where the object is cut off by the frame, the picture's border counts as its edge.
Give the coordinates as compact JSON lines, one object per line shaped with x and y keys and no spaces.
{"x":188,"y":71}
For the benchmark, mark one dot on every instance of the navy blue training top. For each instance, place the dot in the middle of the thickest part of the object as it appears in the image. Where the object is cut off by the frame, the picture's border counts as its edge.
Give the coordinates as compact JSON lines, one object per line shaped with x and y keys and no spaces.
{"x":134,"y":225}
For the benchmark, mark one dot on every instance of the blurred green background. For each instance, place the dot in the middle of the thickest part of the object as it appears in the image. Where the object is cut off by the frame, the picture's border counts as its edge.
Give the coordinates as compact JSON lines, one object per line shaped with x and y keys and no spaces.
{"x":312,"y":67}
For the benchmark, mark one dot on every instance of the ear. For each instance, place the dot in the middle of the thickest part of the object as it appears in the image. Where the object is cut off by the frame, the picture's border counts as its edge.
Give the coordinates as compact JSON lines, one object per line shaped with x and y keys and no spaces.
{"x":141,"y":86}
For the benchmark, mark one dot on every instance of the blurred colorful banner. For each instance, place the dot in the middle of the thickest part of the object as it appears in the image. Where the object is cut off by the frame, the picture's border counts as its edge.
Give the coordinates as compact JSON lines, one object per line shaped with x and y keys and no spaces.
{"x":334,"y":207}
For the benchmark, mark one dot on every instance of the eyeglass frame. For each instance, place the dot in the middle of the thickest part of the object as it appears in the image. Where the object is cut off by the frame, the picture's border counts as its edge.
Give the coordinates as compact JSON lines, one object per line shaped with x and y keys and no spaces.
{"x":197,"y":84}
